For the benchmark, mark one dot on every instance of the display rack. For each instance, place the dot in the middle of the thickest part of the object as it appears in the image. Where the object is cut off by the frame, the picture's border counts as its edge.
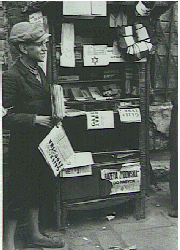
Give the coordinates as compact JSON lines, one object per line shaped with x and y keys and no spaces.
{"x":106,"y":145}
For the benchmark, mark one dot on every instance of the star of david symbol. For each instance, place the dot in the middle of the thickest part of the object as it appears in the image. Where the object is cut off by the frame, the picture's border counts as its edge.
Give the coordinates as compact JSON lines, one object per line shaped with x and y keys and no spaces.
{"x":94,"y":60}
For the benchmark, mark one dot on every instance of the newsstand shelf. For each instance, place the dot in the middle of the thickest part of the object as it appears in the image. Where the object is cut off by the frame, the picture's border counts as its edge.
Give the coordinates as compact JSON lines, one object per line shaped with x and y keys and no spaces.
{"x":104,"y":101}
{"x":89,"y":81}
{"x":109,"y":147}
{"x":116,"y":152}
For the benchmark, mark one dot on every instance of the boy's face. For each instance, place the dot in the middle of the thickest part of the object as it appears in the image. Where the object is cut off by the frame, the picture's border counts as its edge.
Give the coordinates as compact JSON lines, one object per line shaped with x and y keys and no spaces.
{"x":37,"y":51}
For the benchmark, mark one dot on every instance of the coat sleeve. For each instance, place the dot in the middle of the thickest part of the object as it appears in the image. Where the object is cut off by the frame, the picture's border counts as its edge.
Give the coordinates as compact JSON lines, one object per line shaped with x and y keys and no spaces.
{"x":10,"y":100}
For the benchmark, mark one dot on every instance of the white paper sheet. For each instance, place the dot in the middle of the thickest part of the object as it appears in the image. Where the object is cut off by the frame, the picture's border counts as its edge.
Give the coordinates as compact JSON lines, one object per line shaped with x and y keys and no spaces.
{"x":98,"y":8}
{"x":100,"y":119}
{"x":79,"y":159}
{"x":84,"y":8}
{"x":130,"y":115}
{"x":76,"y":8}
{"x":56,"y":149}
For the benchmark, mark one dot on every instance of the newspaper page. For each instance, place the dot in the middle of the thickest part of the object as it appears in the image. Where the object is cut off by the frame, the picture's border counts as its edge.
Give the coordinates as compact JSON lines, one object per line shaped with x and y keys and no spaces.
{"x":56,"y":149}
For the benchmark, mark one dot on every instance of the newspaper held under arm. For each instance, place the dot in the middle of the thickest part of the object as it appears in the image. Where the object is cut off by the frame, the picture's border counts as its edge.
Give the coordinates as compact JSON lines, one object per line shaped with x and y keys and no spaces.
{"x":57,"y":98}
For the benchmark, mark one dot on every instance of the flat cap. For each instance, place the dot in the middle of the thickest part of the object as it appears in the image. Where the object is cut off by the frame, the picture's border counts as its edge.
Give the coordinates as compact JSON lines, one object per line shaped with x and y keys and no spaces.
{"x":28,"y":32}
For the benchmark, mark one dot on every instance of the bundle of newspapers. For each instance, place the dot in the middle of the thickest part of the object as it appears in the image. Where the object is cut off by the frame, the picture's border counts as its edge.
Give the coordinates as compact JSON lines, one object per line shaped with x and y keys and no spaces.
{"x":57,"y":98}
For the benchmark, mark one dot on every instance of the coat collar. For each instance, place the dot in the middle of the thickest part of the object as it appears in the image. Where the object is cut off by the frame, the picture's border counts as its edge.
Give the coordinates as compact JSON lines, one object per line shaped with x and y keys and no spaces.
{"x":31,"y":77}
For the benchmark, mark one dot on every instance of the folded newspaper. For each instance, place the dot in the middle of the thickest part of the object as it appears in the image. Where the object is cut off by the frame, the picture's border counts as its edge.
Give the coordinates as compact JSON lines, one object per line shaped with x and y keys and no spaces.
{"x":56,"y":149}
{"x":59,"y":154}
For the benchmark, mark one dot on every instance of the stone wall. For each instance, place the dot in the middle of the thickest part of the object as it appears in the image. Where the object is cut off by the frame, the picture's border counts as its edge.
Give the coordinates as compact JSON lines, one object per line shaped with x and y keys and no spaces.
{"x":160,"y":117}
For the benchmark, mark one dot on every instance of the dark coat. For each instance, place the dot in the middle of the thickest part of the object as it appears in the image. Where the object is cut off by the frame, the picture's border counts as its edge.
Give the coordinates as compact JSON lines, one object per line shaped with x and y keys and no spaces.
{"x":29,"y":172}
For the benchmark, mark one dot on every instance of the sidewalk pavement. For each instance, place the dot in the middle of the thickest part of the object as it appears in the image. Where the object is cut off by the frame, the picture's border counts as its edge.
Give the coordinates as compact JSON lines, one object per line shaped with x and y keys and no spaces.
{"x":157,"y":231}
{"x":160,"y":162}
{"x":91,"y":230}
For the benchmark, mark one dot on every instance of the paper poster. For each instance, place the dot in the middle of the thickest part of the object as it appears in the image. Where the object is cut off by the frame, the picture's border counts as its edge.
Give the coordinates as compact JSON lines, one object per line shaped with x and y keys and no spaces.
{"x":76,"y":8}
{"x":75,"y":172}
{"x":67,"y":58}
{"x":84,"y":8}
{"x":100,"y":119}
{"x":79,"y":159}
{"x":95,"y":55}
{"x":56,"y":149}
{"x":125,"y":180}
{"x":130,"y":115}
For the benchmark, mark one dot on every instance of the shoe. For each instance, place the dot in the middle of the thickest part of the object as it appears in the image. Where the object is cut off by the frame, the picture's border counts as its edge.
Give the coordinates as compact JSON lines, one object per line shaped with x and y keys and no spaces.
{"x":173,"y":213}
{"x":47,"y":242}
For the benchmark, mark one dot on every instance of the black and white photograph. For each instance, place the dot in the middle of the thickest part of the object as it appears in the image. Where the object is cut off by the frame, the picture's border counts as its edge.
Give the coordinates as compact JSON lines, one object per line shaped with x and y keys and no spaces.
{"x":89,"y":125}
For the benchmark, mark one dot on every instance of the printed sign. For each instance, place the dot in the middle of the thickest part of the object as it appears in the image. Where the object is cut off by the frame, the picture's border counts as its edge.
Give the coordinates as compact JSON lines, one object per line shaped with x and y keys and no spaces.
{"x":125,"y":180}
{"x":75,"y":172}
{"x":130,"y":115}
{"x":100,"y":119}
{"x":95,"y":55}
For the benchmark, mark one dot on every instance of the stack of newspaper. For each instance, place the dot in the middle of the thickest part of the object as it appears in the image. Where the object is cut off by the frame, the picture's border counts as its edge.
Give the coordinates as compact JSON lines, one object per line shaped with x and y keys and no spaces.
{"x":58,"y":107}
